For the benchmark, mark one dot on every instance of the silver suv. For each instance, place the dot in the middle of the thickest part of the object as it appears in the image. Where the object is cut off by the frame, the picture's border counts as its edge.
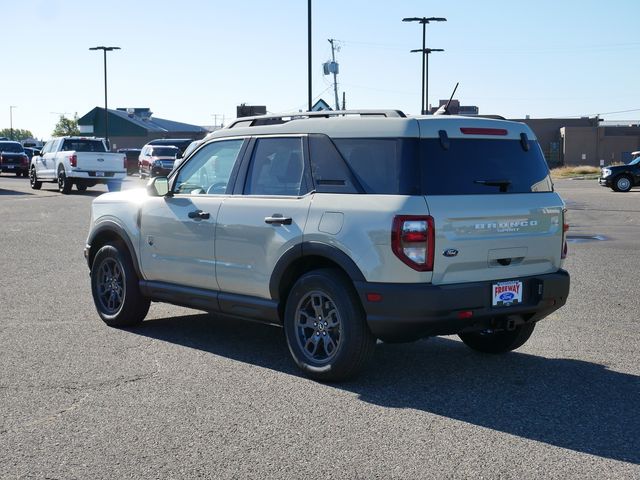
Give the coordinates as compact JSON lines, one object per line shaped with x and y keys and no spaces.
{"x":344,"y":228}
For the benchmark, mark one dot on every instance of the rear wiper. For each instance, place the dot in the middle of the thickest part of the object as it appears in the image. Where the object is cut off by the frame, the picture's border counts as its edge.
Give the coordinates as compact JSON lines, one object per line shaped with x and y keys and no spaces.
{"x":503,"y":184}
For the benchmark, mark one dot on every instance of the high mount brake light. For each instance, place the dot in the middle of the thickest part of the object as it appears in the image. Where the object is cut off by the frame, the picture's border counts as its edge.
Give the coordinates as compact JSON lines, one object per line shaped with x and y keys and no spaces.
{"x":412,"y":240}
{"x":483,"y":131}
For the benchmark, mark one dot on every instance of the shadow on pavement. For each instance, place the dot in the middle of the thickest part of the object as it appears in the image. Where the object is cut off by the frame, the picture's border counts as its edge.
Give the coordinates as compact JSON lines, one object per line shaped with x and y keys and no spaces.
{"x":567,"y":403}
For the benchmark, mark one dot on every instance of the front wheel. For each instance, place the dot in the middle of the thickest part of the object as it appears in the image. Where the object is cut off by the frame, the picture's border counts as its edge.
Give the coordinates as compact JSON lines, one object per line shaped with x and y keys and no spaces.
{"x":33,"y":179}
{"x":622,"y":184}
{"x":115,"y":289}
{"x":325,"y":326}
{"x":498,"y":341}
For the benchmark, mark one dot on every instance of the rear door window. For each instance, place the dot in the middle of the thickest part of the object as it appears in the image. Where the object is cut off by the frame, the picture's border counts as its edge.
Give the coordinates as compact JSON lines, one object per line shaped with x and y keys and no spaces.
{"x":382,"y":165}
{"x":482,"y":166}
{"x":277,"y":168}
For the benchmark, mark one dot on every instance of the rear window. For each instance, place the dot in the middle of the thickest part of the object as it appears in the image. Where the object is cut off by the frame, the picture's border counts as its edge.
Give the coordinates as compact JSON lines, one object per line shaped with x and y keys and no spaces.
{"x":481,"y":166}
{"x":11,"y":147}
{"x":83,"y":146}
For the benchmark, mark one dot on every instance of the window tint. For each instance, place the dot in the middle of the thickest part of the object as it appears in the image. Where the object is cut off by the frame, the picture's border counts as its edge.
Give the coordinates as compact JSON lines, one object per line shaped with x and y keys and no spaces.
{"x":277,"y":167}
{"x":83,"y":145}
{"x":209,"y":169}
{"x":476,"y":167}
{"x":383,"y":166}
{"x":11,"y":147}
{"x":164,"y":151}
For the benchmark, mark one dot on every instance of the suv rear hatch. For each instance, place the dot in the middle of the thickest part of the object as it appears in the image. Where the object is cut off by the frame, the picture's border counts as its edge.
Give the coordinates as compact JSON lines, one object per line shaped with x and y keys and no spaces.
{"x":487,"y":187}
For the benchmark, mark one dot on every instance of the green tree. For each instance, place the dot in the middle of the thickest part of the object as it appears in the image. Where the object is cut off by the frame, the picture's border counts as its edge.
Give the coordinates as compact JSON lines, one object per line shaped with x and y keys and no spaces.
{"x":18,"y":134}
{"x":66,"y":126}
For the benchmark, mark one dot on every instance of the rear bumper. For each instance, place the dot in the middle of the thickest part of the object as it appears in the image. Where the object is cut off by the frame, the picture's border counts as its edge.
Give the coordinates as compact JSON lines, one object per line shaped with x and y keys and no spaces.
{"x":410,"y":311}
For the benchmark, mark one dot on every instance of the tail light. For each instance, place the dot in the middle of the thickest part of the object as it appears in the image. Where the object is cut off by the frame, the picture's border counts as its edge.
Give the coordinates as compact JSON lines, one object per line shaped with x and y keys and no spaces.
{"x":412,"y":241}
{"x":24,"y":160}
{"x":565,"y":229}
{"x":73,"y":160}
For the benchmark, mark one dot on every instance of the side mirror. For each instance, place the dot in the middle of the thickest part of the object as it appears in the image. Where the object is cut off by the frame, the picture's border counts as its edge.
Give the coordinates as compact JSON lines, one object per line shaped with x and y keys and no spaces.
{"x":158,"y":187}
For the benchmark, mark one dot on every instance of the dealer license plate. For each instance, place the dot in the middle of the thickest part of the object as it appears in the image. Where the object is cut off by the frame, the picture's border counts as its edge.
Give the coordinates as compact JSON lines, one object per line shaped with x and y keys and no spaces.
{"x":99,"y":174}
{"x":507,"y":293}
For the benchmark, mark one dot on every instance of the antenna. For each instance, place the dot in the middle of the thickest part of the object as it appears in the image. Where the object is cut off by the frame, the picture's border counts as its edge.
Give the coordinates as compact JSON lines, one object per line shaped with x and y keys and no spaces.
{"x":444,"y":110}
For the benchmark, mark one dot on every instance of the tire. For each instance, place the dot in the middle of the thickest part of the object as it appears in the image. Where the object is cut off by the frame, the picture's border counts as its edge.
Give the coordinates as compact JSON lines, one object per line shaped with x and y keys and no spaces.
{"x":622,"y":184}
{"x":18,"y":173}
{"x":500,"y":341}
{"x":114,"y":186}
{"x":25,"y":174}
{"x":81,"y":187}
{"x":33,"y":179}
{"x":115,"y":289}
{"x":64,"y":184}
{"x":325,"y":326}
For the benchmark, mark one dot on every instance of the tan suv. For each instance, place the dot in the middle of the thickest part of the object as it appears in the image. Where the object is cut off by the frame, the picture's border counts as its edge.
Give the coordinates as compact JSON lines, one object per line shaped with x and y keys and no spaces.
{"x":344,"y":228}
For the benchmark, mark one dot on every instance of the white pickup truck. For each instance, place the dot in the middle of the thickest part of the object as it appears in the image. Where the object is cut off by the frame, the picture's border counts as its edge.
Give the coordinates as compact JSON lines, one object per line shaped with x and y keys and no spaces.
{"x":80,"y":161}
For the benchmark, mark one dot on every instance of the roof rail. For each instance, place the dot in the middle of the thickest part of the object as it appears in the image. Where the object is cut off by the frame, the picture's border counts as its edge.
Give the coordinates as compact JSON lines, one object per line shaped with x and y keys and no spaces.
{"x":287,"y":117}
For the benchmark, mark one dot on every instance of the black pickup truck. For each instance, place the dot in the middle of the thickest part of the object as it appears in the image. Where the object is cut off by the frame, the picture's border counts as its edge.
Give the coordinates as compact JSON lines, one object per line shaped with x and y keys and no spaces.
{"x":13,"y":158}
{"x":620,"y":178}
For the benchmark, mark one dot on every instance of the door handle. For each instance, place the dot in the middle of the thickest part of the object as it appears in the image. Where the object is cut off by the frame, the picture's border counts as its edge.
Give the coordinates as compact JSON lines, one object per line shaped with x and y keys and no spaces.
{"x":278,"y":219}
{"x":199,"y":215}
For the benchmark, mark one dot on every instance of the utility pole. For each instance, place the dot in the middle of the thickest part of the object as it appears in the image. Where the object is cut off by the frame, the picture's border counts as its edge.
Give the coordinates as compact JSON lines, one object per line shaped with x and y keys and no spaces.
{"x":335,"y":72}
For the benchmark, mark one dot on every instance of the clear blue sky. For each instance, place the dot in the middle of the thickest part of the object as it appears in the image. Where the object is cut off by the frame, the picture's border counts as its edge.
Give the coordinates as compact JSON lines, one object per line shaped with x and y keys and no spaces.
{"x":191,"y":60}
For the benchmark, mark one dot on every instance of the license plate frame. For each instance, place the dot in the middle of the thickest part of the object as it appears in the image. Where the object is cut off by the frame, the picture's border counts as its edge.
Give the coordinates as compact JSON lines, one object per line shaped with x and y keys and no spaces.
{"x":506,"y":294}
{"x":99,"y":174}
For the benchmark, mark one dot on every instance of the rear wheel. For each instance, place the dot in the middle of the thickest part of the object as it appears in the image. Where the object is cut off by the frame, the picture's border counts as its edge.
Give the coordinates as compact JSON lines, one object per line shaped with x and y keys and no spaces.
{"x":64,"y":185}
{"x":115,"y":289}
{"x":325,"y":326}
{"x":33,"y":179}
{"x":502,"y":341}
{"x":81,"y":187}
{"x":622,"y":184}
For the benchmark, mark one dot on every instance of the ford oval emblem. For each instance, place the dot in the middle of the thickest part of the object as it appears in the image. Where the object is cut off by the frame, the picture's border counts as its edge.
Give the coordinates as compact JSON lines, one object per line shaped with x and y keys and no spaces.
{"x":450,"y":252}
{"x":100,"y":159}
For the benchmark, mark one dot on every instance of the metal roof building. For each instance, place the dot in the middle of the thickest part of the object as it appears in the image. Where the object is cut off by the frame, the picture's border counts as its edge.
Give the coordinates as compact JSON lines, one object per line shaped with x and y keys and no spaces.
{"x":134,"y":127}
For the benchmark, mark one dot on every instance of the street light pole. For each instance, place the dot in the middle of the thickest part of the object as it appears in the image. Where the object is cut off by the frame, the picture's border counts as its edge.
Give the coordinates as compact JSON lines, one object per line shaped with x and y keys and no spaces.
{"x":425,"y":61}
{"x":106,"y":113}
{"x":425,"y":56}
{"x":11,"y":107}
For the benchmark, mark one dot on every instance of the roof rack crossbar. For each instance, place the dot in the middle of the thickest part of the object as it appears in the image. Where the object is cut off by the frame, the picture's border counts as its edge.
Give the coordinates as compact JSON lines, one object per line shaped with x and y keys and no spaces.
{"x":286,"y":117}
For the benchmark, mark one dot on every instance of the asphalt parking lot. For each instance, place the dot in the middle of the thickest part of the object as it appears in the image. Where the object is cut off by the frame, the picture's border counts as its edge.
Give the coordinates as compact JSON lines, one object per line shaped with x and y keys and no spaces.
{"x":188,"y":395}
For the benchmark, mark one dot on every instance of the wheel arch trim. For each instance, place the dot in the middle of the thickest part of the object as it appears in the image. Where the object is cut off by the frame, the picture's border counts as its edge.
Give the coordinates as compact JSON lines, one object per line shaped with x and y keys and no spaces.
{"x":112,"y":229}
{"x":311,"y":249}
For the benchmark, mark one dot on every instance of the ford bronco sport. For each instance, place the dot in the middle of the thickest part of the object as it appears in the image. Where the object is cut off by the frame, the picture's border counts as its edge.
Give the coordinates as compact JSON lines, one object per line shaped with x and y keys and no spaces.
{"x":344,"y":228}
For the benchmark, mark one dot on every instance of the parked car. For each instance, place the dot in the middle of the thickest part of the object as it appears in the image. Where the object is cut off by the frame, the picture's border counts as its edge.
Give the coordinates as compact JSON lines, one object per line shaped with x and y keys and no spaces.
{"x":30,"y":151}
{"x":133,"y":156}
{"x":621,"y":178}
{"x":80,"y":161}
{"x":157,"y":160}
{"x":13,"y":158}
{"x":344,"y":230}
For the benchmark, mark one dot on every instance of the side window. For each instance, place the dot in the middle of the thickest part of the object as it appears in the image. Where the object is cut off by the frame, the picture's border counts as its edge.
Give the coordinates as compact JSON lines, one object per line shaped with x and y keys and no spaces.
{"x":209,"y":169}
{"x":277,"y":167}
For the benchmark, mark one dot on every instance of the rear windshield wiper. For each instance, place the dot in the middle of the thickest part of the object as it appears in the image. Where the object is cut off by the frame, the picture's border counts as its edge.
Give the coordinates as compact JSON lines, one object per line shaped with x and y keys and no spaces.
{"x":503,"y":184}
